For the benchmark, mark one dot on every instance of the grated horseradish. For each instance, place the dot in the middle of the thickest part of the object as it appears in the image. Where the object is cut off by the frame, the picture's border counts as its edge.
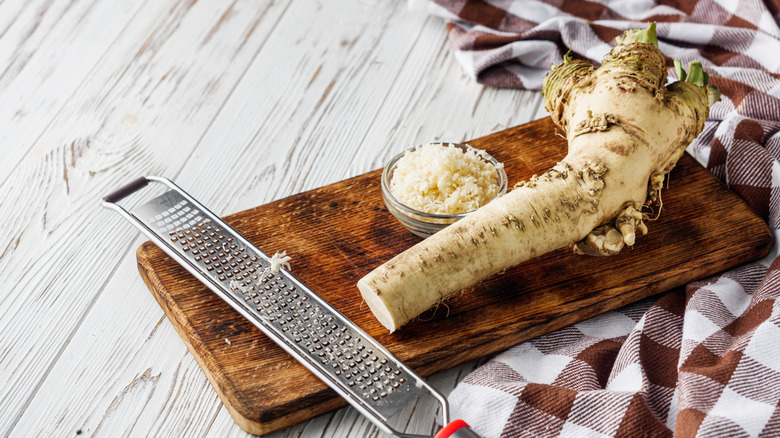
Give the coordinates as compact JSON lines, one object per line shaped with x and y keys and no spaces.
{"x":444,"y":179}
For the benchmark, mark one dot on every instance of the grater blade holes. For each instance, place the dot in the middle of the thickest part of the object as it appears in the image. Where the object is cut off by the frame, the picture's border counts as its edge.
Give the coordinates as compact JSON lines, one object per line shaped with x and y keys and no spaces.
{"x":316,"y":332}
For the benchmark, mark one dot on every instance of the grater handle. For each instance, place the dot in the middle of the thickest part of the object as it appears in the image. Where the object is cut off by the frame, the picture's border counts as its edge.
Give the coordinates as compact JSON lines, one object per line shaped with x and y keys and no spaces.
{"x":456,"y":429}
{"x":126,"y":190}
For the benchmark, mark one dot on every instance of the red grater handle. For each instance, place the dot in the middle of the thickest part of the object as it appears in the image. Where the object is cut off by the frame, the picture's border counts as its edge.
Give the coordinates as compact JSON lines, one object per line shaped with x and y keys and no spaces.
{"x":456,"y":429}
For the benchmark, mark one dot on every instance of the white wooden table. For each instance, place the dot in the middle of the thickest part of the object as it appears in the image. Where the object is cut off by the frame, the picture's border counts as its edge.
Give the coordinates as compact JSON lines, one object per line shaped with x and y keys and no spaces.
{"x":240,"y":102}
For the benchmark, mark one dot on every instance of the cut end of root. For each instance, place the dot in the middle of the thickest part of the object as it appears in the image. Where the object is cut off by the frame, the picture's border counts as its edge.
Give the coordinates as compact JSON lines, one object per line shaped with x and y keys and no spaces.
{"x":377,"y":306}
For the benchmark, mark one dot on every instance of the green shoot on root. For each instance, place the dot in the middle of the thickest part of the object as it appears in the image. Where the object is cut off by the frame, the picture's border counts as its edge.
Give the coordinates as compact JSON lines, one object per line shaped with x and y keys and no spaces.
{"x":646,"y":36}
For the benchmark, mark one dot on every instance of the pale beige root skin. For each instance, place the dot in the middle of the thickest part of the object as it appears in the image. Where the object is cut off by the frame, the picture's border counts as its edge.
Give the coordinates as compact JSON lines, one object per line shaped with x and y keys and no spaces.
{"x":519,"y":226}
{"x":623,"y":134}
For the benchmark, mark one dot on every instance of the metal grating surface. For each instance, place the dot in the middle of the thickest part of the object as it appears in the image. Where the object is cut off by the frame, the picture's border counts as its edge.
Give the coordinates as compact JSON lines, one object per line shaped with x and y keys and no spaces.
{"x":282,"y":307}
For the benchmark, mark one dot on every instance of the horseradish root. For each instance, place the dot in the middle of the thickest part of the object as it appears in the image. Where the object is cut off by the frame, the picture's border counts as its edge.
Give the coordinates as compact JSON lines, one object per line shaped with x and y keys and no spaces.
{"x":625,"y":130}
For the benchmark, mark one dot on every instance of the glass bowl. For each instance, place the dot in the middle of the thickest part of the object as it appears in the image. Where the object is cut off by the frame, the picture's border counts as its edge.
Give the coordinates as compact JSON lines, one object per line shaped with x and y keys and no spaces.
{"x":426,"y":224}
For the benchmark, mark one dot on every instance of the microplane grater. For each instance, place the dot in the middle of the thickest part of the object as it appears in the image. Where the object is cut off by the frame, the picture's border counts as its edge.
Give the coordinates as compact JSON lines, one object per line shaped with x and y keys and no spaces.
{"x":331,"y":346}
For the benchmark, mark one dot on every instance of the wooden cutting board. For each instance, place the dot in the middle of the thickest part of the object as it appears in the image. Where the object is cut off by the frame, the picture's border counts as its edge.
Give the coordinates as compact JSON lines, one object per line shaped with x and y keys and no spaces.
{"x":338,"y":233}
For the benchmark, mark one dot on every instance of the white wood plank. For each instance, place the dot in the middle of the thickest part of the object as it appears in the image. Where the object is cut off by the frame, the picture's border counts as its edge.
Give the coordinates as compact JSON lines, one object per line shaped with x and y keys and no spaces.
{"x":434,"y":100}
{"x":140,"y":111}
{"x":143,"y":389}
{"x":47,"y":48}
{"x":67,"y":397}
{"x":332,"y":69}
{"x":310,"y":110}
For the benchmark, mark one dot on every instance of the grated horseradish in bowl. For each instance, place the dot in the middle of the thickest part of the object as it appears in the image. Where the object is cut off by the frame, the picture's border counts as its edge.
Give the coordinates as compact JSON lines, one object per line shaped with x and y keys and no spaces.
{"x":434,"y":185}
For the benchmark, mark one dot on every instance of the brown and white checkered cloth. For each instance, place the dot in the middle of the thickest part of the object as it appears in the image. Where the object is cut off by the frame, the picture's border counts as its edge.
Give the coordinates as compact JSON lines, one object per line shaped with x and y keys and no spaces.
{"x":703,"y":361}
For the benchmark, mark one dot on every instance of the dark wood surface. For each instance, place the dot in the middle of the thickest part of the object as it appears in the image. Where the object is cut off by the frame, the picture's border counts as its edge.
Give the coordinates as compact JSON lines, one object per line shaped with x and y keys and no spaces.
{"x":338,"y":233}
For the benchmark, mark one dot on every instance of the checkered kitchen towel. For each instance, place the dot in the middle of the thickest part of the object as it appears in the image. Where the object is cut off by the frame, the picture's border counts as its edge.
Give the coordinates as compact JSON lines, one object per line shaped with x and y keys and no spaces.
{"x":703,"y":361}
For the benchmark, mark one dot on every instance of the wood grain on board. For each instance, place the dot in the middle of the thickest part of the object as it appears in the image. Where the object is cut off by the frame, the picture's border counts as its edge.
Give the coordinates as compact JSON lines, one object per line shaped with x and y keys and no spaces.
{"x":338,"y":233}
